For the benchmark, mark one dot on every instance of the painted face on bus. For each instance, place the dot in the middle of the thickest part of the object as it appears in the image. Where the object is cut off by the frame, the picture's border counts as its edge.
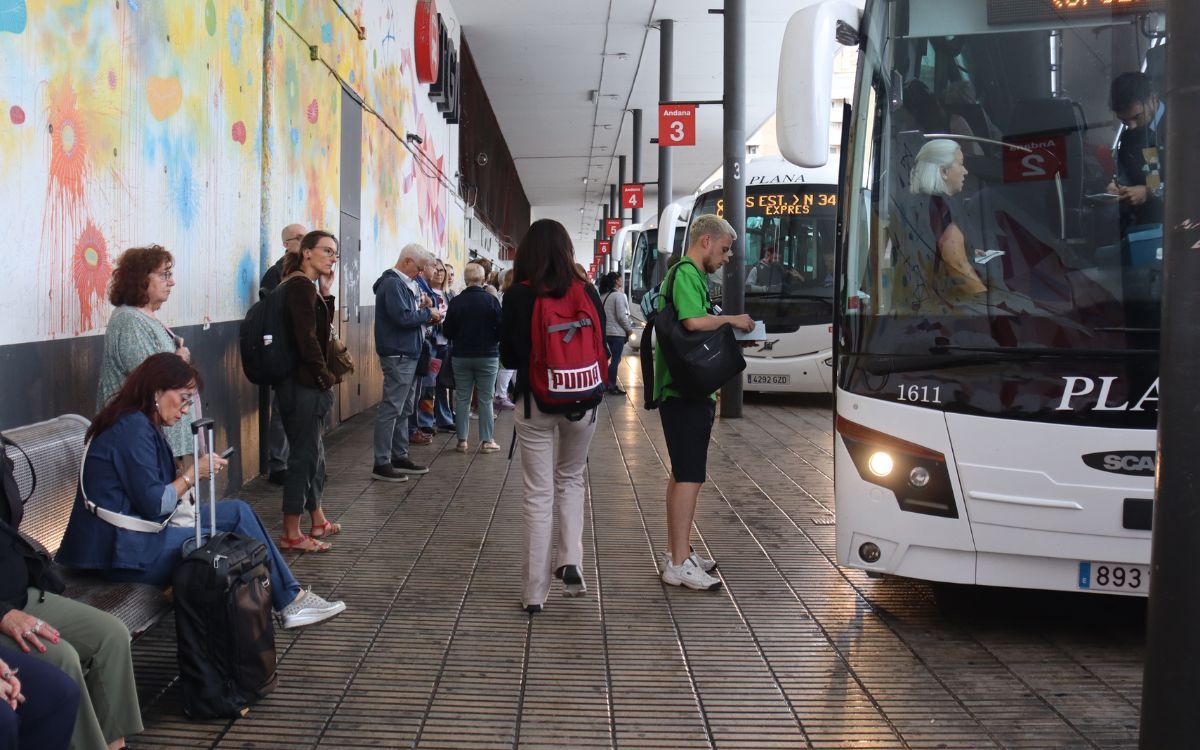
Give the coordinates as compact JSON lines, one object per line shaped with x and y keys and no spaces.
{"x":955,"y":174}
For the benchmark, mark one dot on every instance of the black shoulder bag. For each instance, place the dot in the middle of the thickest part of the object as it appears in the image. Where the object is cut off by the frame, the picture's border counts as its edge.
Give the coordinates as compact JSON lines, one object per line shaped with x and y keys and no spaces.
{"x":700,"y":362}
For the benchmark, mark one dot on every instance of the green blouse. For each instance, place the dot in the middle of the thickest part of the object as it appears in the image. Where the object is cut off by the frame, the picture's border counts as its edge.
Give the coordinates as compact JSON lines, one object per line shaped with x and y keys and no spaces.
{"x":132,"y":336}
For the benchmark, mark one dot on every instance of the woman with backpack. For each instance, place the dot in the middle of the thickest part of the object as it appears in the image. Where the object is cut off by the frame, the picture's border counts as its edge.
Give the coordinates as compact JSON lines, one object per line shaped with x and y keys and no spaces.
{"x":619,"y":326}
{"x":552,"y":334}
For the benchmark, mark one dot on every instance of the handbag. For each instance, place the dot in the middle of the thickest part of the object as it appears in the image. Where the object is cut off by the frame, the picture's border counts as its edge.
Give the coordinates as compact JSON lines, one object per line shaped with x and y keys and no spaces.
{"x":424,"y":358}
{"x":700,"y":362}
{"x":338,"y":360}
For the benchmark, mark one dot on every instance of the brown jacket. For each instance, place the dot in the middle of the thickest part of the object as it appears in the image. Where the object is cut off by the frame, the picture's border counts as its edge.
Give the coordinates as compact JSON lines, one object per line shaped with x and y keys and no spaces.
{"x":310,"y":317}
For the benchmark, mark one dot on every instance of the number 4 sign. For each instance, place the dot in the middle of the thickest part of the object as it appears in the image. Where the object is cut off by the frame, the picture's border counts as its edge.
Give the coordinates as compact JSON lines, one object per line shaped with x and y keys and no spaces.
{"x":631,"y":195}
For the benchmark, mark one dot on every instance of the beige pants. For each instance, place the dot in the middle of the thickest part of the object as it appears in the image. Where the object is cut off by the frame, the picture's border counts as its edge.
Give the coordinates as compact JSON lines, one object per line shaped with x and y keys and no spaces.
{"x":553,"y":455}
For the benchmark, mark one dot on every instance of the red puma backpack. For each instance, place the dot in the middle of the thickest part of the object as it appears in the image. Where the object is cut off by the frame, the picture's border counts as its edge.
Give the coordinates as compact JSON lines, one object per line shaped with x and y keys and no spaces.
{"x":568,"y":362}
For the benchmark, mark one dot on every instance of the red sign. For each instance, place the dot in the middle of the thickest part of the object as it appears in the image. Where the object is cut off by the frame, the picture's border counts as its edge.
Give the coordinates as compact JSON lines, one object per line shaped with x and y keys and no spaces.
{"x":427,"y":42}
{"x":1036,"y":159}
{"x":611,"y":227}
{"x":592,"y":270}
{"x":631,"y":195}
{"x":676,"y":125}
{"x":603,"y":247}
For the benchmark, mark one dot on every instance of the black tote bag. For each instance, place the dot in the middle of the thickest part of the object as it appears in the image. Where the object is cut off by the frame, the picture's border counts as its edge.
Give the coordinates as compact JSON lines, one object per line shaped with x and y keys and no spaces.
{"x":700,"y":362}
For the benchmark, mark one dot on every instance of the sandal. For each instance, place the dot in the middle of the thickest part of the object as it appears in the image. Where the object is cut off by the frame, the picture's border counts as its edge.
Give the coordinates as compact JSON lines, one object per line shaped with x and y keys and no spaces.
{"x":329,"y":528}
{"x":303,"y":543}
{"x":463,"y":446}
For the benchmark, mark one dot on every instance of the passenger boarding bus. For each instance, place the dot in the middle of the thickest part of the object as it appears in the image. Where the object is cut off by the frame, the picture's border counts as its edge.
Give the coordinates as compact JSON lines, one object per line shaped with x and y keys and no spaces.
{"x":996,"y":314}
{"x":791,"y":222}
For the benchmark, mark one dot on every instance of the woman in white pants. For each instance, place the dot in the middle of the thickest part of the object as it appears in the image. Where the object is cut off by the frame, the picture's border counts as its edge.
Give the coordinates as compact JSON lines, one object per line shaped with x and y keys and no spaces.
{"x":504,"y":376}
{"x":554,"y":447}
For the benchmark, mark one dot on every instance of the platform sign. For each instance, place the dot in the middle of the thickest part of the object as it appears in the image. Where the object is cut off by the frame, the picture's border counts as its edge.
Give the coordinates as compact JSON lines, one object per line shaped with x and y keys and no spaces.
{"x":592,"y":270}
{"x":611,"y":227}
{"x":1035,"y":159}
{"x":632,"y":194}
{"x":676,"y":125}
{"x":603,"y":247}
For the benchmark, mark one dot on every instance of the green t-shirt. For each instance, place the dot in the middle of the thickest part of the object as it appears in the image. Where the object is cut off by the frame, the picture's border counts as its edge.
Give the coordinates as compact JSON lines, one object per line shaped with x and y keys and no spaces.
{"x":689,"y":293}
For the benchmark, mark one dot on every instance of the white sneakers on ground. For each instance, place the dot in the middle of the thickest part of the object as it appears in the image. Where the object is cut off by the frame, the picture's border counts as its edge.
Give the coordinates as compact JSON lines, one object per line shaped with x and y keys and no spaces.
{"x":309,"y":609}
{"x":703,"y":563}
{"x":689,"y":574}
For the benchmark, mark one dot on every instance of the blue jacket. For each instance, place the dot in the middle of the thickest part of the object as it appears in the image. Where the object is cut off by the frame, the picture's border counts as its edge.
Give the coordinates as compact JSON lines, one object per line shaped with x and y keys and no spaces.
{"x":127,"y":469}
{"x":473,"y":323}
{"x":397,"y":320}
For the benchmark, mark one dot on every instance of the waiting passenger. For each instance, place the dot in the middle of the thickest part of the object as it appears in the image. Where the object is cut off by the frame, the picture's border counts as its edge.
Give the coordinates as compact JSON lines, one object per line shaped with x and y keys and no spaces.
{"x":618,"y":325}
{"x":141,"y":282}
{"x":37,"y":709}
{"x":277,"y":445}
{"x":128,"y":470}
{"x":306,"y":395}
{"x":473,"y":325}
{"x":90,"y":646}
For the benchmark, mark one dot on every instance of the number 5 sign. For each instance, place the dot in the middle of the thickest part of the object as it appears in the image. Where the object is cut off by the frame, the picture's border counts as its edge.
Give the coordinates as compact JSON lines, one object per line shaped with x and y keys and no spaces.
{"x":676,"y":125}
{"x":631,"y":195}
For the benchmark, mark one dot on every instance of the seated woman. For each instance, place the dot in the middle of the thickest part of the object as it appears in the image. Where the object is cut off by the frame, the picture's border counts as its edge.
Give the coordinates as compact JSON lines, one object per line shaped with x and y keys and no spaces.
{"x":37,"y":709}
{"x":940,"y":174}
{"x":129,"y":470}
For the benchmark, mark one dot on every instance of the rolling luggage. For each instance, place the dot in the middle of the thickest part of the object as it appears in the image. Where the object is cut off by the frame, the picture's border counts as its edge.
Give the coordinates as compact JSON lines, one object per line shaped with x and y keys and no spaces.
{"x":224,"y":632}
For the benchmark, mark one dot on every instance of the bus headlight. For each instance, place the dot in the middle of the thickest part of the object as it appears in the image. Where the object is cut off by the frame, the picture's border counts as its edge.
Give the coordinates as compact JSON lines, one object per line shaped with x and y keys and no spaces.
{"x":918,"y":476}
{"x":880,"y":464}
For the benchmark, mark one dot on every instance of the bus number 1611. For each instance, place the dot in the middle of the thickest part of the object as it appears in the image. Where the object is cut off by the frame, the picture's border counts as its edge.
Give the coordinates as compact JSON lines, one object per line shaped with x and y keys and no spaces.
{"x":921,"y":394}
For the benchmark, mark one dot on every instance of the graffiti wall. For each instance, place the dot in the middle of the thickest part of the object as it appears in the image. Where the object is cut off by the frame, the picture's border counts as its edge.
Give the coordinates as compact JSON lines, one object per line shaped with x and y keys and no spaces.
{"x":205,"y":126}
{"x":130,"y":122}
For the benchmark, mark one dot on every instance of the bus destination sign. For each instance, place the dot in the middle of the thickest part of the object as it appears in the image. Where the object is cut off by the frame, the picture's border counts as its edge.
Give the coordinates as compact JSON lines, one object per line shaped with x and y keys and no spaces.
{"x":783,"y":204}
{"x":1038,"y":11}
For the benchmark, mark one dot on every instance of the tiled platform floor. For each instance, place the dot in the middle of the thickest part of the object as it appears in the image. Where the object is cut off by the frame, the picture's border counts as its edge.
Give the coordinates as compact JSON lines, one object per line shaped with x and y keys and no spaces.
{"x":434,"y":651}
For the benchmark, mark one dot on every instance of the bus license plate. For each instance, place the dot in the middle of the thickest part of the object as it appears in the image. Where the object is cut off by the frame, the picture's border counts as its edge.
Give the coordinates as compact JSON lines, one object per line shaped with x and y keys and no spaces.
{"x":1105,"y":576}
{"x":768,"y":379}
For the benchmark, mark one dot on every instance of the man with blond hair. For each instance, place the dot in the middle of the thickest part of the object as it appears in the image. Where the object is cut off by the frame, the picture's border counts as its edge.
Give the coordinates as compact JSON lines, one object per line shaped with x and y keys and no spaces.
{"x":401,"y":309}
{"x":687,"y":422}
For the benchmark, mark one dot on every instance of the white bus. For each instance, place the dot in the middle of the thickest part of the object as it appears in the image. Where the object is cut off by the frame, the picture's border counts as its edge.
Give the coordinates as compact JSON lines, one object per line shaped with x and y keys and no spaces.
{"x":648,"y":245}
{"x":791,"y":222}
{"x":996,"y":341}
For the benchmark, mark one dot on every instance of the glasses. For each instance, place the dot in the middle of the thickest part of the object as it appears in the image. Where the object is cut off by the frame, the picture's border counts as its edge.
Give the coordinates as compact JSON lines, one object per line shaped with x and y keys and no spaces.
{"x":164,"y":275}
{"x":187,"y":401}
{"x":331,"y":252}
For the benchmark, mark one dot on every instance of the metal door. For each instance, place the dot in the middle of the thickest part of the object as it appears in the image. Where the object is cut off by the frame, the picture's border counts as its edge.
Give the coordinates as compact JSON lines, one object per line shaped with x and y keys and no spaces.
{"x":351,"y":394}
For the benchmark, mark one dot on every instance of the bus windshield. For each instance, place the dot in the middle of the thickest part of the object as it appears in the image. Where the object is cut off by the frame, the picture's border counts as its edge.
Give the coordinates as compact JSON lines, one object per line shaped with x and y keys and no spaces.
{"x":997,"y":201}
{"x":643,"y":274}
{"x":790,"y":246}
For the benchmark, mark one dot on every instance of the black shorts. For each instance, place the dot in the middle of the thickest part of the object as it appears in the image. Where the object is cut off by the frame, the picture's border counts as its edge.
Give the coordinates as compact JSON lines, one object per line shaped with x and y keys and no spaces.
{"x":687,"y":426}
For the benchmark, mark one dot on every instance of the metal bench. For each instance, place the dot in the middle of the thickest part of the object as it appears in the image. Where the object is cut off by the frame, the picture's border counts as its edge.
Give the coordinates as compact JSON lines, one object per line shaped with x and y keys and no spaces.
{"x":55,"y":447}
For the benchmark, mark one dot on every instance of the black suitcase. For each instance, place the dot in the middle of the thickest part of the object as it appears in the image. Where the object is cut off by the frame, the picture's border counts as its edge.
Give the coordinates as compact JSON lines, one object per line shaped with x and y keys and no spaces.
{"x":224,"y":632}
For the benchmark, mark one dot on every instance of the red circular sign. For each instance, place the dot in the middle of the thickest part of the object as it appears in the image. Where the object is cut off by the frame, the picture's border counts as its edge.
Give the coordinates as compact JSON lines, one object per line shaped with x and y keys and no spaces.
{"x":427,"y":42}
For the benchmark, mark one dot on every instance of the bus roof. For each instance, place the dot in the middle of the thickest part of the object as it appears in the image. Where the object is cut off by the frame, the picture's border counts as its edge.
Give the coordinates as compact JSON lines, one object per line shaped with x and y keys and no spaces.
{"x":776,"y":170}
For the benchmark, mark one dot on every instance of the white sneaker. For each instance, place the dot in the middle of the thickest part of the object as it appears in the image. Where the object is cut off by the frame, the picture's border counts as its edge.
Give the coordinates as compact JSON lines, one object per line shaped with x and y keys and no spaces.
{"x":309,"y":609}
{"x":703,"y":563}
{"x":689,"y":574}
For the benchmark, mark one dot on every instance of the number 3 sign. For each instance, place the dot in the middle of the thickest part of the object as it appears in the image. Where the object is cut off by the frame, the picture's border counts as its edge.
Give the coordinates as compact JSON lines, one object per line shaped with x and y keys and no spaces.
{"x":676,"y":125}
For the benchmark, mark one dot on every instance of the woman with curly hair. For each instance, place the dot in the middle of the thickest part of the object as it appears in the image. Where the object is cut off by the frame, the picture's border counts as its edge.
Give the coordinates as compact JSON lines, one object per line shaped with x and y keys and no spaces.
{"x":141,"y":283}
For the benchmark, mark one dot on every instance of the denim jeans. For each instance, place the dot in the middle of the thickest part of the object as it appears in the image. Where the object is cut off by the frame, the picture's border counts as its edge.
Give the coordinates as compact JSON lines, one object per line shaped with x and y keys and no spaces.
{"x":616,"y":344}
{"x":391,"y":419}
{"x":480,"y":373}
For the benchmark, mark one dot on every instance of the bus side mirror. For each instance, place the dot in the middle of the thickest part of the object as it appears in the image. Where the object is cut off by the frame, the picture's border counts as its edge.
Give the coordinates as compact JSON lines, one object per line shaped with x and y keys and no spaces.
{"x":803,"y":101}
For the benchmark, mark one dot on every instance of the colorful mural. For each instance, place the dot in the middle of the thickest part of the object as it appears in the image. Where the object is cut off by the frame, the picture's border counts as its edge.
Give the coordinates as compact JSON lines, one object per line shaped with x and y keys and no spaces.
{"x":127,"y":123}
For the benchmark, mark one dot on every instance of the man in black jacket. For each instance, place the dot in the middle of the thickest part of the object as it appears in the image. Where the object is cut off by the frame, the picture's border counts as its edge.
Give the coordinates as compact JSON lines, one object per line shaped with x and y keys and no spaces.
{"x":277,"y":445}
{"x":1141,"y":155}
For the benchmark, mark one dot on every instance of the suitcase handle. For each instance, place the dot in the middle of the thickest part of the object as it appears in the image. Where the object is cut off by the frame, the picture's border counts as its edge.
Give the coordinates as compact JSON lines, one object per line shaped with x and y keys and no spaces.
{"x":197,"y":426}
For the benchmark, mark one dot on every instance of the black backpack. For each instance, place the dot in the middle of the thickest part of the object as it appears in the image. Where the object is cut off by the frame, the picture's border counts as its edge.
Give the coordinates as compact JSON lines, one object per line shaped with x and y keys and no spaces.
{"x":700,"y":362}
{"x":265,"y":340}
